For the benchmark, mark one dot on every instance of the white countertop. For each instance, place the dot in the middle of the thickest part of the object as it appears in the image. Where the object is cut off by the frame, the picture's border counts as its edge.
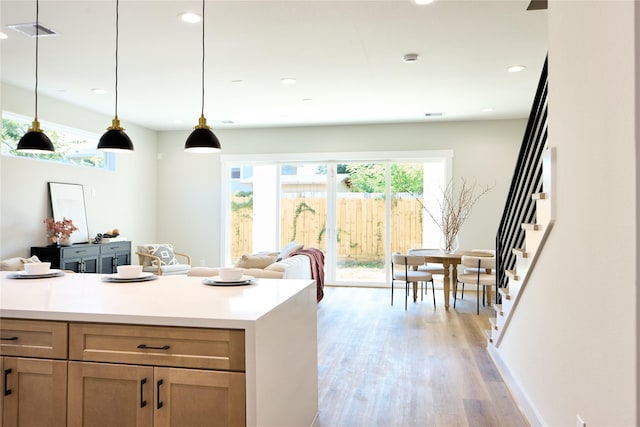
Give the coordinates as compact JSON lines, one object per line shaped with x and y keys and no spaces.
{"x":169,"y":300}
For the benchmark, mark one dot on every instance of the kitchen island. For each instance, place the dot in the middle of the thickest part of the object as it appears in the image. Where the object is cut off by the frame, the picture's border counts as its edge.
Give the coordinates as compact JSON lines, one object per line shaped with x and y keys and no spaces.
{"x":260,"y":340}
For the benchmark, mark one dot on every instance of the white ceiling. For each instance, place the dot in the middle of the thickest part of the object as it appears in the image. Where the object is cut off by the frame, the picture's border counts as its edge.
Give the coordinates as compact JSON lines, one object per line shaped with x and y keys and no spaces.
{"x":345,"y":55}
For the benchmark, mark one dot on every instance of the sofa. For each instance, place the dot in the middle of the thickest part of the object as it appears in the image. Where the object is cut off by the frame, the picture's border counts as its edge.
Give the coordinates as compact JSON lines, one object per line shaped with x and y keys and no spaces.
{"x":293,"y":262}
{"x":294,"y":267}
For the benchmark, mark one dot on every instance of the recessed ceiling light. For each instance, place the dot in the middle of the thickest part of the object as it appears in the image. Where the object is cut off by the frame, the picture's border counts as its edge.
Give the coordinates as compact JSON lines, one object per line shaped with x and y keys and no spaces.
{"x":99,"y":91}
{"x":421,"y":2}
{"x":516,"y":68}
{"x":190,"y":17}
{"x":237,"y":81}
{"x":307,"y":99}
{"x":3,"y":36}
{"x":487,"y":110}
{"x":178,"y":121}
{"x":288,"y":81}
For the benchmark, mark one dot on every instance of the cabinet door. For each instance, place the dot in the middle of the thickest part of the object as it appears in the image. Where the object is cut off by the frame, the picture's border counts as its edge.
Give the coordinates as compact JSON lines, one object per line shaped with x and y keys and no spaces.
{"x":72,"y":264}
{"x":90,"y":264}
{"x":108,"y":264}
{"x":192,"y":397}
{"x":110,"y":395}
{"x":35,"y":392}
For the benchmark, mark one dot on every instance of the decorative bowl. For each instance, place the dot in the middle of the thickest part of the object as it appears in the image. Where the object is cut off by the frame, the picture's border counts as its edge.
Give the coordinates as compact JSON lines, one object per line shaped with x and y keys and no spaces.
{"x":129,"y":271}
{"x":37,"y":267}
{"x":230,"y":274}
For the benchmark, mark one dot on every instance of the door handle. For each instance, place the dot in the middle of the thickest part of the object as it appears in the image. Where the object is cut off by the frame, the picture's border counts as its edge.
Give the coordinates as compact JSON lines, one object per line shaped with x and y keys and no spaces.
{"x":160,"y":404}
{"x":150,"y":347}
{"x":7,"y":390}
{"x":8,"y":339}
{"x":143,"y":402}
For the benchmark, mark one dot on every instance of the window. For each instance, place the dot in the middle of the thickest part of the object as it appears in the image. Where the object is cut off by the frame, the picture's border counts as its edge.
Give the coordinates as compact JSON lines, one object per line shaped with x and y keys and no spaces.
{"x":73,"y":146}
{"x":358,"y":210}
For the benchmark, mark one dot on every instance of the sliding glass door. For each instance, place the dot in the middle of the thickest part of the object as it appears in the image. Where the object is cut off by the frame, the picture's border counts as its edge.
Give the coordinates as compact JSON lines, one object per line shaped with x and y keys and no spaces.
{"x":358,"y":212}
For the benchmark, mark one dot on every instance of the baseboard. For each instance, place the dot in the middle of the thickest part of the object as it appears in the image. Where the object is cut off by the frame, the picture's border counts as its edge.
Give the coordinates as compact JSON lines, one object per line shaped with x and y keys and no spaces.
{"x":519,"y":396}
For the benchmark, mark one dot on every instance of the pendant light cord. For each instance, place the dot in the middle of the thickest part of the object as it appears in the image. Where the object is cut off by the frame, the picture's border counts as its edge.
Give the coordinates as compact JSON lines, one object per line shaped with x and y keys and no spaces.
{"x":37,"y":38}
{"x":116,"y":88}
{"x":202,"y":109}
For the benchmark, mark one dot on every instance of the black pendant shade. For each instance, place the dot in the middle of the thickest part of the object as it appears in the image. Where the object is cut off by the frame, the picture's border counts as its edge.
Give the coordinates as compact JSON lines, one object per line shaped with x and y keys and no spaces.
{"x":114,"y":139}
{"x":35,"y":141}
{"x":202,"y":139}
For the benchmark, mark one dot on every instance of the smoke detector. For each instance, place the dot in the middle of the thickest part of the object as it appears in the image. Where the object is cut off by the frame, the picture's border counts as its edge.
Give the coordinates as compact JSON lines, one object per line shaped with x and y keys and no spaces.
{"x":410,"y":57}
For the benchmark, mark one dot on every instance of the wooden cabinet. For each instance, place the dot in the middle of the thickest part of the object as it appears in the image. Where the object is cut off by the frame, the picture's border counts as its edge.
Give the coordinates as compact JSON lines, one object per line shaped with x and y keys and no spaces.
{"x":133,"y":395}
{"x":35,"y":392}
{"x":211,"y":393}
{"x":90,"y":374}
{"x":86,"y":258}
{"x":34,"y":384}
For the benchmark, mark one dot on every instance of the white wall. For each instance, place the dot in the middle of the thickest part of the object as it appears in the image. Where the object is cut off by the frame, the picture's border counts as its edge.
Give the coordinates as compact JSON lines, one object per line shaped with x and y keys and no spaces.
{"x":124,"y":199}
{"x":572,"y":344}
{"x":189,"y":185}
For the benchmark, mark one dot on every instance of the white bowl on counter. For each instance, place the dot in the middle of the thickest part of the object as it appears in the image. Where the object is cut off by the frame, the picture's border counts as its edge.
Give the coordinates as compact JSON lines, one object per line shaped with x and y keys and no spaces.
{"x":37,"y":267}
{"x":129,"y":271}
{"x":230,"y":274}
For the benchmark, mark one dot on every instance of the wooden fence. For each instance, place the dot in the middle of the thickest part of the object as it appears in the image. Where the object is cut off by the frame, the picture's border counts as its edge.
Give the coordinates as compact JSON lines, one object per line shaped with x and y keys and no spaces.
{"x":360,"y":226}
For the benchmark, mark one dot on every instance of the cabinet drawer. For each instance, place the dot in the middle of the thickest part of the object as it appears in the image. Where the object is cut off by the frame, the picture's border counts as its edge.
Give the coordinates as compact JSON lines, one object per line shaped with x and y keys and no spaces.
{"x":33,"y":338}
{"x":80,"y":251}
{"x":220,"y":349}
{"x":111,"y":248}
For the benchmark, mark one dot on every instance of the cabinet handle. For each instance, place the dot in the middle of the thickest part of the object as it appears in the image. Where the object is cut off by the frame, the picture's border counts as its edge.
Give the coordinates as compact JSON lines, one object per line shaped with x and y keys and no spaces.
{"x":150,"y":347}
{"x":9,"y":339}
{"x":143,"y":402}
{"x":160,"y":404}
{"x":7,"y":390}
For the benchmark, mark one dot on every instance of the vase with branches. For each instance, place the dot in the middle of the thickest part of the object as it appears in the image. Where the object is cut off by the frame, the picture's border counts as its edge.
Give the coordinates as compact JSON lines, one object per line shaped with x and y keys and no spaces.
{"x":454,"y":209}
{"x":59,"y":230}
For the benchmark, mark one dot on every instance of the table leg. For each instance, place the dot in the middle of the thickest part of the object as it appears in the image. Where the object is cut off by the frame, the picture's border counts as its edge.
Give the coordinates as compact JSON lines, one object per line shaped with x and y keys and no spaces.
{"x":446,"y":283}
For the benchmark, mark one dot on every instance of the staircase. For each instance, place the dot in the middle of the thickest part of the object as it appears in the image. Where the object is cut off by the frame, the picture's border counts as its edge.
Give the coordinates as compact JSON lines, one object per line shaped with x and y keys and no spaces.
{"x":527,"y":217}
{"x":525,"y":257}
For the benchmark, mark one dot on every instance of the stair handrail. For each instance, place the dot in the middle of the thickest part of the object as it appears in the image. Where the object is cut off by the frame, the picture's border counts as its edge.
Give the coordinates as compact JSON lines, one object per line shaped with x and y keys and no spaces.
{"x":527,"y":180}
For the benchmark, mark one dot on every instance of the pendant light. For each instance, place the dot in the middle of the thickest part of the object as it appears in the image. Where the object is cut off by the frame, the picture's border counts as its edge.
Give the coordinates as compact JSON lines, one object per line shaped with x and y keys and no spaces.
{"x":35,"y":141}
{"x":202,"y":139}
{"x":114,"y":139}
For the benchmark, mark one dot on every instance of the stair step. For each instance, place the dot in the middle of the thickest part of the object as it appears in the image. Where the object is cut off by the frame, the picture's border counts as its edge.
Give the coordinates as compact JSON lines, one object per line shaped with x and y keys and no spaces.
{"x":512,"y":274}
{"x":530,"y":226}
{"x":520,"y":252}
{"x":498,"y":309}
{"x":539,"y":196}
{"x":505,"y":293}
{"x":487,"y":333}
{"x":494,"y":323}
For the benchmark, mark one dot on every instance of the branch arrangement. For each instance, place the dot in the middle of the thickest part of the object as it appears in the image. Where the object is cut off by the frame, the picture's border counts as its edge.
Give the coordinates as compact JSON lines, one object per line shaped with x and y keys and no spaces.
{"x":455,"y":208}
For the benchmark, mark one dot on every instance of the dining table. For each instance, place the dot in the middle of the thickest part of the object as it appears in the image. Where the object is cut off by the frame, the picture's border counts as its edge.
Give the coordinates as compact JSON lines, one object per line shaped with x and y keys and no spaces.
{"x":450,"y":262}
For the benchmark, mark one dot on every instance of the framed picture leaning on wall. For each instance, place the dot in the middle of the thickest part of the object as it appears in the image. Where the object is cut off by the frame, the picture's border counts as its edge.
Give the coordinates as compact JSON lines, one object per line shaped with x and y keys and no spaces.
{"x":67,"y":201}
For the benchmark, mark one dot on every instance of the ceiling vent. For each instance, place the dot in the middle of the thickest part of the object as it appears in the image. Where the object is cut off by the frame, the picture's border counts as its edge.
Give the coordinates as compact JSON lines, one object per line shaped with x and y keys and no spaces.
{"x":436,"y":114}
{"x":30,"y":30}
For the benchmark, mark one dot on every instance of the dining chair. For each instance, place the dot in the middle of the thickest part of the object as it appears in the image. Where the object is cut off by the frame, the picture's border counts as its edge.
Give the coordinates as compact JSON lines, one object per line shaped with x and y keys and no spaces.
{"x":433,"y":268}
{"x":485,"y":253}
{"x":476,"y":277}
{"x":404,"y":268}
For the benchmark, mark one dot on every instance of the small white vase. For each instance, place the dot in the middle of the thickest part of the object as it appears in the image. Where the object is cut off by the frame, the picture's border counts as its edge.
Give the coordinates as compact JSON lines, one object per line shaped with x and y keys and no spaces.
{"x":64,"y":241}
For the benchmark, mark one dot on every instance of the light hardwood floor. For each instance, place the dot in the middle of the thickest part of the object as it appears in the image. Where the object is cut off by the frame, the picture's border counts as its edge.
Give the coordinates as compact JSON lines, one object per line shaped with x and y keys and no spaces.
{"x":383,"y":366}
